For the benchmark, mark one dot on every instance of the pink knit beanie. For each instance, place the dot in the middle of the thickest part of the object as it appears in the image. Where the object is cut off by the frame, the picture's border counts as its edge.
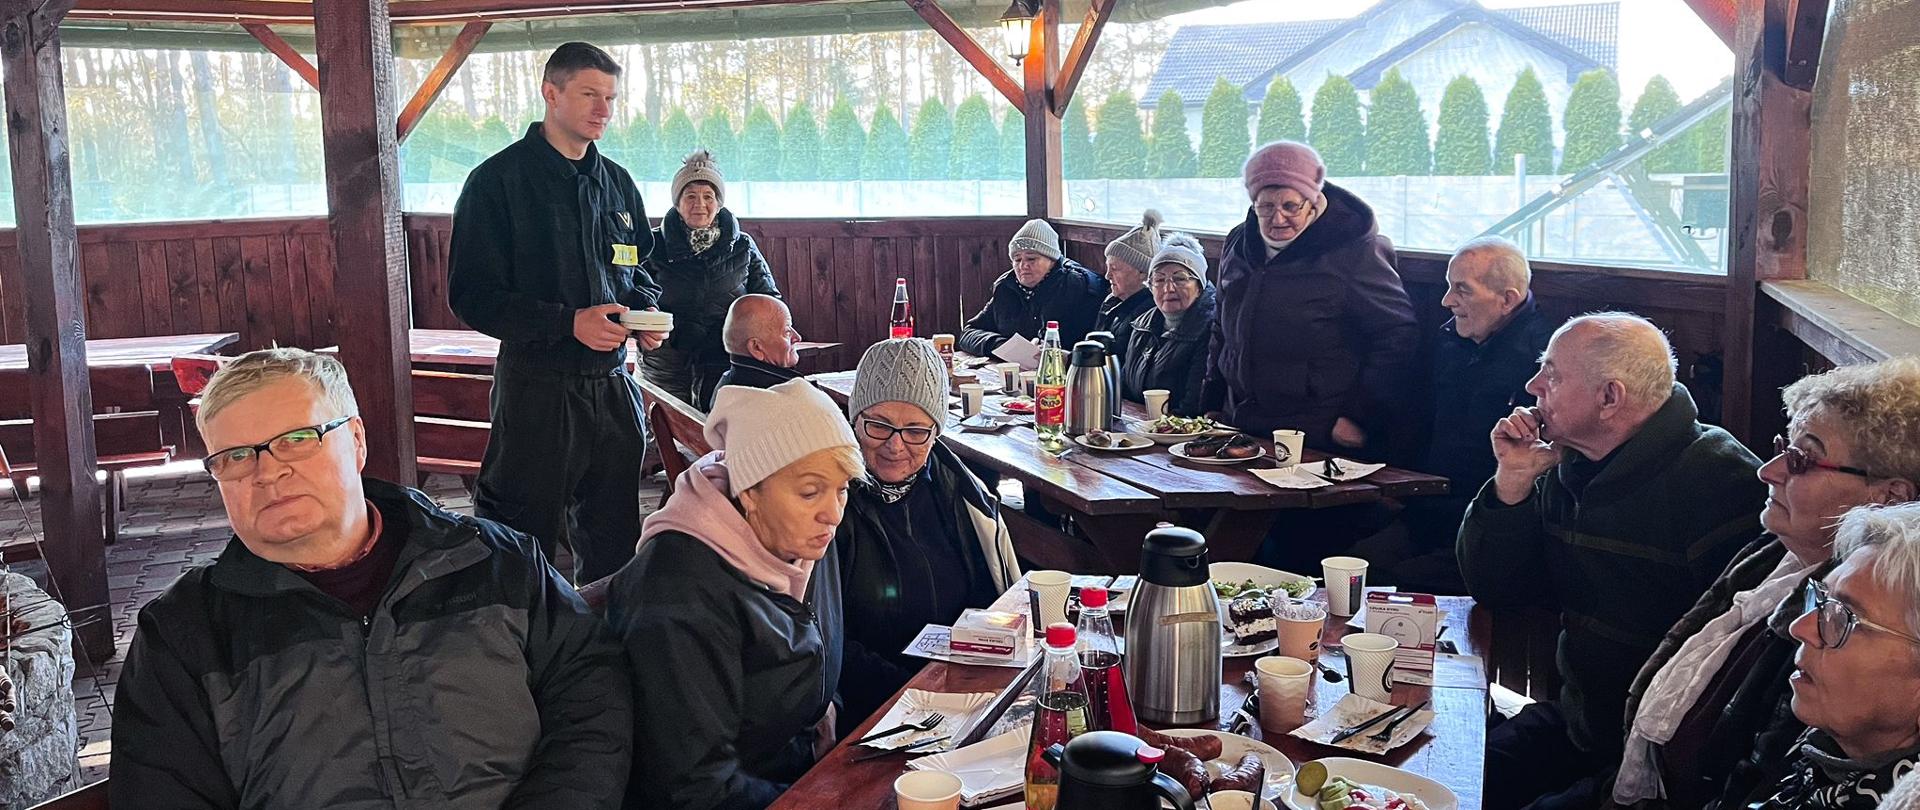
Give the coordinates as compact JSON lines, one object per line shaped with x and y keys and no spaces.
{"x":1287,"y":164}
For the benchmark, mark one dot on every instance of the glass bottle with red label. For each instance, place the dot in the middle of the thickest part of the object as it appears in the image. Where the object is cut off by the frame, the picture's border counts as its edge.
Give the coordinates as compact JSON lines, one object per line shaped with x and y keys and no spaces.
{"x":902,"y":320}
{"x":1050,"y":389}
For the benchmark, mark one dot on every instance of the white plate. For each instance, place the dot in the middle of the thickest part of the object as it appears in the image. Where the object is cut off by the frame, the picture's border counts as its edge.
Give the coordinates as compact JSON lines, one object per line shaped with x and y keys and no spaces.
{"x":1234,"y":573}
{"x":1180,"y":451}
{"x":1234,"y":746}
{"x":1435,"y":795}
{"x":1142,"y":427}
{"x":1127,"y":441}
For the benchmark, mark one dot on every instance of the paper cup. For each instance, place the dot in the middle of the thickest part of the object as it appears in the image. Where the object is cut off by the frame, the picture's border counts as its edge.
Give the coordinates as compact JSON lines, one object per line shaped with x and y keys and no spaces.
{"x":1049,"y":589}
{"x":1285,"y":685}
{"x":973,"y":396}
{"x":1287,"y":446}
{"x":1299,"y":625}
{"x":1009,"y":378}
{"x":1370,"y":664}
{"x":1029,"y":382}
{"x":1237,"y":800}
{"x":1346,"y":579}
{"x":1156,"y":401}
{"x":927,"y":790}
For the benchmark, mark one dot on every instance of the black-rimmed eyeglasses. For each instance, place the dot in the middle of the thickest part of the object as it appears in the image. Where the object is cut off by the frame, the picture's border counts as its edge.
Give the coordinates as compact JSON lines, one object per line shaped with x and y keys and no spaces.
{"x":294,"y":445}
{"x":880,"y":432}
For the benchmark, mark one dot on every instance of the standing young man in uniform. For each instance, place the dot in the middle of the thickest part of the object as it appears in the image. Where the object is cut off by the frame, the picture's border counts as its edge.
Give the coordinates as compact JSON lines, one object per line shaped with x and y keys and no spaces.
{"x":548,"y":237}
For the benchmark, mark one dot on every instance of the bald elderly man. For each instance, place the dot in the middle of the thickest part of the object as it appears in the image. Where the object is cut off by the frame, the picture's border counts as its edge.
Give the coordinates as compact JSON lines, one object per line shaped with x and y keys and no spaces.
{"x":759,"y":338}
{"x":1614,"y":506}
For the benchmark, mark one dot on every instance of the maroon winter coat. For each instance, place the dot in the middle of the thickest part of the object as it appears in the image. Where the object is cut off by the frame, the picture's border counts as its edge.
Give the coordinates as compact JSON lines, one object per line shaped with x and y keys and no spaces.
{"x":1322,"y":330}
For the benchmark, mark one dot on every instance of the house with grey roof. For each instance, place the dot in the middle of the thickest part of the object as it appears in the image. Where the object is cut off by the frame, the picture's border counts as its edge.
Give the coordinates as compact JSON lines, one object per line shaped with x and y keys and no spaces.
{"x":1430,"y":41}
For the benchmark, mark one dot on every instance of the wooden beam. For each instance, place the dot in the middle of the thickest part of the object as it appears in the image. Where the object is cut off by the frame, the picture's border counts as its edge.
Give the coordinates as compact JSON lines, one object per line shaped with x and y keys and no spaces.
{"x":436,"y":81}
{"x":56,"y":329}
{"x":1719,"y":15}
{"x":371,"y":309}
{"x":970,"y":50}
{"x":277,"y":45}
{"x":1771,"y":145}
{"x":1082,"y":52}
{"x":1806,"y":30}
{"x":1046,"y":188}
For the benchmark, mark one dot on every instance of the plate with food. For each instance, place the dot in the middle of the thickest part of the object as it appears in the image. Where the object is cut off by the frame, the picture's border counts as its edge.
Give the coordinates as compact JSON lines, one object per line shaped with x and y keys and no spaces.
{"x":1343,"y":783}
{"x":1110,"y":441}
{"x":1233,"y":449}
{"x":1230,"y":579}
{"x":1213,"y":761}
{"x":1176,"y":429}
{"x":1018,"y":405}
{"x":1247,"y":593}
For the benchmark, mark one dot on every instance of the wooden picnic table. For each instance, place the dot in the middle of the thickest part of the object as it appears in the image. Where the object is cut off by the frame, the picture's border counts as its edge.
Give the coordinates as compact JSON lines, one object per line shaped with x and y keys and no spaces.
{"x":1117,"y":497}
{"x":1451,"y":751}
{"x":155,"y":352}
{"x":465,"y":347}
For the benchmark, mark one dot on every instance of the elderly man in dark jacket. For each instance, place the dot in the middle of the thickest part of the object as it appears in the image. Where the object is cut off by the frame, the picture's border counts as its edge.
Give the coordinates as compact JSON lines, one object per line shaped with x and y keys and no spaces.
{"x":1168,"y":349}
{"x":1614,"y":506}
{"x":1043,"y":285}
{"x":548,"y":236}
{"x":356,"y":646}
{"x":760,"y":338}
{"x":1314,"y":330}
{"x":702,"y":261}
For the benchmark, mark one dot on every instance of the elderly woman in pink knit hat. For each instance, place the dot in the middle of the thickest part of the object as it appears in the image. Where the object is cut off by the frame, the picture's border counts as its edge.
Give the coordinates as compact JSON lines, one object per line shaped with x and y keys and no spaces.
{"x":1309,"y":259}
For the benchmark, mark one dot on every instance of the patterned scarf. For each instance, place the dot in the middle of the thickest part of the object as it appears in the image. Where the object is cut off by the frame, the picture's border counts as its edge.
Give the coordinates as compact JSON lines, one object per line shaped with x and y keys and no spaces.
{"x":702,"y":238}
{"x":893,"y":493}
{"x":1824,"y":779}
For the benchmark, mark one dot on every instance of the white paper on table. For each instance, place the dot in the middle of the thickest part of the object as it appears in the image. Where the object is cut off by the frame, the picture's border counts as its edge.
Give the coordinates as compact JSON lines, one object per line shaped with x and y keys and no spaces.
{"x":1018,"y":349}
{"x":1353,"y":710}
{"x":989,"y":769}
{"x":1349,"y":469}
{"x":935,"y":642}
{"x":961,"y":710}
{"x":1292,"y":478}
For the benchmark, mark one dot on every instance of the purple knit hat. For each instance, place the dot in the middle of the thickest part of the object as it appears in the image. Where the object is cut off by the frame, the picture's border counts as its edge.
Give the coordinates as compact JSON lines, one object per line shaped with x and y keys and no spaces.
{"x":1287,"y":164}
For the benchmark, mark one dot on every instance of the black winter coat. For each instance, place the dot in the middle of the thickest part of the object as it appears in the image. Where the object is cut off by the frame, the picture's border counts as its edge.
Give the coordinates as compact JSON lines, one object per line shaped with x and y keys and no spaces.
{"x":1171,"y":359}
{"x":1117,"y":317}
{"x":1320,"y":331}
{"x":725,"y":673}
{"x":480,"y":680}
{"x":1070,"y":294}
{"x":752,"y":373}
{"x":699,"y":287}
{"x":535,"y":239}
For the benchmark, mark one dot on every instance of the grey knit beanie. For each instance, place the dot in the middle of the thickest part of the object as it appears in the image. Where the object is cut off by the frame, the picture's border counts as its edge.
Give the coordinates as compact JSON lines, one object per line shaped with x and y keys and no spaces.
{"x":1136,"y":247}
{"x":901,"y":370}
{"x":1184,"y":250}
{"x":765,"y":429}
{"x":1036,"y":236}
{"x":699,"y":166}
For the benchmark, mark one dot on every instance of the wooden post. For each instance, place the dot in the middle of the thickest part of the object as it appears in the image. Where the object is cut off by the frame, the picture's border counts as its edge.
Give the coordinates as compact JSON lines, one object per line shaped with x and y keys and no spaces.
{"x":57,"y":379}
{"x":1046,"y":186}
{"x":1771,"y":145}
{"x":371,"y":309}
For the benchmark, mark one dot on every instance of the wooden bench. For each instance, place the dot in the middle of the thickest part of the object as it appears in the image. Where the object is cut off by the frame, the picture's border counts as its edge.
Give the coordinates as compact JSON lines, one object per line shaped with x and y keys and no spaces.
{"x":678,"y":429}
{"x":127,"y":433}
{"x":451,"y":423}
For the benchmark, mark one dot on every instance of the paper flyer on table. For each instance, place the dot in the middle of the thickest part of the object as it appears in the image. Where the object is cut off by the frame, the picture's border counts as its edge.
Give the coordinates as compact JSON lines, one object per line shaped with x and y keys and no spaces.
{"x":1018,"y":349}
{"x":935,"y":641}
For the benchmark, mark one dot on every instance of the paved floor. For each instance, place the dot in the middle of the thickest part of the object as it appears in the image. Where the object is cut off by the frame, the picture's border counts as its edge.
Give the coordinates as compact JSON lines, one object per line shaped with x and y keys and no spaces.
{"x":174,"y":521}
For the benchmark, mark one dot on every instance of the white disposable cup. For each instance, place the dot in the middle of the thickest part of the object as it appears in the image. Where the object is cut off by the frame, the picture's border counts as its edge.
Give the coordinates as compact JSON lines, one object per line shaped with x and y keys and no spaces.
{"x":1346,"y":579}
{"x":1285,"y":685}
{"x":1050,"y":588}
{"x":973,"y":397}
{"x":1156,"y":401}
{"x":1237,"y":800}
{"x":1287,"y":446}
{"x":1299,"y":625}
{"x":927,"y":790}
{"x":1029,"y":381}
{"x":1370,"y":664}
{"x":1009,"y":378}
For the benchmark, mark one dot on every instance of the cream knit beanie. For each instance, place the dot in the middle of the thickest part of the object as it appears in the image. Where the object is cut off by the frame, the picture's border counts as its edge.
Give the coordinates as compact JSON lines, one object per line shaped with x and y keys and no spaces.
{"x":1038,"y":237}
{"x":1136,"y":247}
{"x":901,"y":370}
{"x":1183,"y":250}
{"x":699,"y":166}
{"x":765,"y":429}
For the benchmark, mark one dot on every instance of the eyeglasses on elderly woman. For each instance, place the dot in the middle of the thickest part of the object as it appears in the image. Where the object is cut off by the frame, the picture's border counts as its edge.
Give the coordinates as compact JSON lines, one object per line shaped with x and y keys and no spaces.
{"x":1799,"y":462}
{"x":881,"y":432}
{"x":1172,"y":279}
{"x":1835,"y":620}
{"x":1291,"y":208}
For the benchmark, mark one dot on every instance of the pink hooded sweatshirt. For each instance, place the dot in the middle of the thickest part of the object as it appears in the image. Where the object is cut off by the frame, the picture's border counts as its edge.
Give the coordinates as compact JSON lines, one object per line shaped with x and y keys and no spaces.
{"x":700,"y":507}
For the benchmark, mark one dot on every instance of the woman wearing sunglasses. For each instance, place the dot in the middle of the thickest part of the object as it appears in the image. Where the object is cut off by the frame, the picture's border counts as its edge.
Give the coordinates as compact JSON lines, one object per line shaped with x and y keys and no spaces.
{"x":922,"y":539}
{"x":1709,"y":723}
{"x":1856,"y":681}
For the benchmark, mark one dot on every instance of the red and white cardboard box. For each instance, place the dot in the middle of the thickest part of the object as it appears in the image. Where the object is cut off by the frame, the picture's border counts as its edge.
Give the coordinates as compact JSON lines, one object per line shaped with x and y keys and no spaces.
{"x":1413,"y":619}
{"x":988,"y":633}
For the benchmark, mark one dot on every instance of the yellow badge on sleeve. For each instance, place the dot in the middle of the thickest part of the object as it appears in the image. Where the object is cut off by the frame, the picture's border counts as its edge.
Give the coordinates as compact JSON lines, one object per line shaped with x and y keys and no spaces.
{"x":627,"y":255}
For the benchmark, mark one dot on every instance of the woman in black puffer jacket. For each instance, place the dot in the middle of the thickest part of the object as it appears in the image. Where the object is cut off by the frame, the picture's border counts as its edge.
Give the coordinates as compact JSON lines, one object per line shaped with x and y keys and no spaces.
{"x":702,"y":262}
{"x":1167,"y":345}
